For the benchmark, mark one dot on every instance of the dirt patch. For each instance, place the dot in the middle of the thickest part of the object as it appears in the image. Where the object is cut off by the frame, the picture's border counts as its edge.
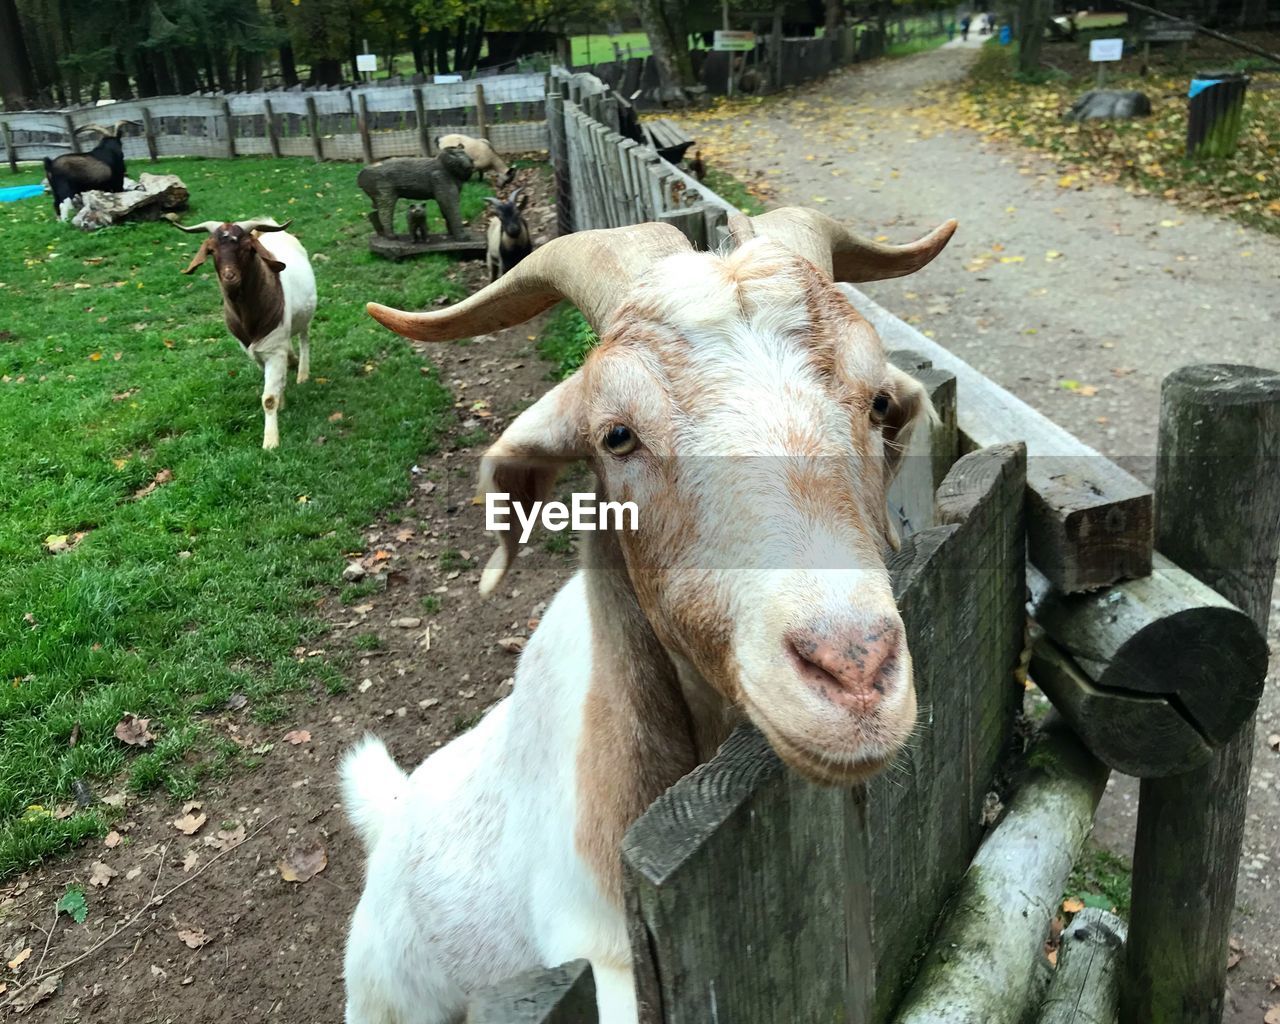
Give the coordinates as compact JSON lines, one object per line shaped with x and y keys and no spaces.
{"x":189,"y":917}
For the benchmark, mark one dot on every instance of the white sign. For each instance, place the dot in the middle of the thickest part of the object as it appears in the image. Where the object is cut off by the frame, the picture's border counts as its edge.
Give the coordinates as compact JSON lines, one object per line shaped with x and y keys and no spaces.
{"x":736,"y":41}
{"x":446,"y":79}
{"x":1106,"y":49}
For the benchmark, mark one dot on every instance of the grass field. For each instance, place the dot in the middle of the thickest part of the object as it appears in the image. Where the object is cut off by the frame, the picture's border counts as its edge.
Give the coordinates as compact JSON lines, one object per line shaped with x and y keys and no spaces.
{"x":116,"y":372}
{"x":593,"y":49}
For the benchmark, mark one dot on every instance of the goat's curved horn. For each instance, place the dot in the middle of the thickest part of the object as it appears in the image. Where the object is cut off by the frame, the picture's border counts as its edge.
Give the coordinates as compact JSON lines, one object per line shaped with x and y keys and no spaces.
{"x":837,"y":251}
{"x":209,"y":226}
{"x":592,"y":269}
{"x":265,"y":224}
{"x":514,"y":196}
{"x":94,"y":127}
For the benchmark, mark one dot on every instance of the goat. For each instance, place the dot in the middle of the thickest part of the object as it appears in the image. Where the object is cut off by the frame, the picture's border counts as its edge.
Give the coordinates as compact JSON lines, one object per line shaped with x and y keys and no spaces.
{"x":508,"y":234}
{"x":748,"y":410}
{"x":101,"y":169}
{"x":417,"y":223}
{"x":268,"y":296}
{"x":483,"y":156}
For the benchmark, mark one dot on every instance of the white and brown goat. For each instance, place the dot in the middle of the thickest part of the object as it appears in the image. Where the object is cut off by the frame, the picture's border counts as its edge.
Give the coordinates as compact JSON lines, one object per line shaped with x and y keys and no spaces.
{"x":268,"y":296}
{"x":748,"y":410}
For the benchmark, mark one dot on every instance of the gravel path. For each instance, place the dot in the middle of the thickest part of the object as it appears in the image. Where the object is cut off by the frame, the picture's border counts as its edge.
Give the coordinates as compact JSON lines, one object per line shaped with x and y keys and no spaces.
{"x":1045,"y":283}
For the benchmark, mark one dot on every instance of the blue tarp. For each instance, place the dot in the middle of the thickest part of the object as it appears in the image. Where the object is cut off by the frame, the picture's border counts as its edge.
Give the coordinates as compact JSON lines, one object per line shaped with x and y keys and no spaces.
{"x":16,"y":192}
{"x":1199,"y":85}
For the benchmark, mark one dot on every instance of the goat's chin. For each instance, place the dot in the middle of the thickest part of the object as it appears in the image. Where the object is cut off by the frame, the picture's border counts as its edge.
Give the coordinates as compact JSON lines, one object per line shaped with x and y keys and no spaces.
{"x":846,"y":763}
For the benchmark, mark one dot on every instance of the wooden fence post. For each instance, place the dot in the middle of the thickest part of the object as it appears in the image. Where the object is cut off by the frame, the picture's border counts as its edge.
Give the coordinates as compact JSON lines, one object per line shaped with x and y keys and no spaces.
{"x":71,"y":133}
{"x":273,"y":129}
{"x":691,"y":222}
{"x":231,"y":129}
{"x":424,"y":130}
{"x":1218,"y":517}
{"x":482,"y":117}
{"x":148,"y":129}
{"x":547,"y":995}
{"x":557,"y":143}
{"x":9,"y":148}
{"x":313,"y":126}
{"x":363,"y":124}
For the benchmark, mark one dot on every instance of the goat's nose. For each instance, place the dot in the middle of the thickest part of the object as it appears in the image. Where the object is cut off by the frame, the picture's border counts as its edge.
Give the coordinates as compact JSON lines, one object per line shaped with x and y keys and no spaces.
{"x":852,"y":667}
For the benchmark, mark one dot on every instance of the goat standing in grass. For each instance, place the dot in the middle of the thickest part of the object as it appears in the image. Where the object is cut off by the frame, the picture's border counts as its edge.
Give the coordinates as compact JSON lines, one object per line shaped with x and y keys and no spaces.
{"x":507,"y":240}
{"x":101,"y":169}
{"x":748,"y":410}
{"x":268,"y":296}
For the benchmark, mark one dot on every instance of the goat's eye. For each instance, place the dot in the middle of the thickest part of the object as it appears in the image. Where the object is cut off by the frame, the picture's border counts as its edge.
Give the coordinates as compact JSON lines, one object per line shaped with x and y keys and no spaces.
{"x":620,"y":440}
{"x":880,"y":407}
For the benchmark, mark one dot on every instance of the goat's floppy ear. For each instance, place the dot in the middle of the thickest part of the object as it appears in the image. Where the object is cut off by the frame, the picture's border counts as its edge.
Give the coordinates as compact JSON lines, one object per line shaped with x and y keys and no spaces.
{"x":201,"y":255}
{"x":525,"y":461}
{"x":909,"y":409}
{"x":266,"y":257}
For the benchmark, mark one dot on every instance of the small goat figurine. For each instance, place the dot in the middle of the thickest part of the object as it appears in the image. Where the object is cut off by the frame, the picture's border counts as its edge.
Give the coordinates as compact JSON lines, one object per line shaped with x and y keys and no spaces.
{"x":268,"y":296}
{"x":748,"y":410}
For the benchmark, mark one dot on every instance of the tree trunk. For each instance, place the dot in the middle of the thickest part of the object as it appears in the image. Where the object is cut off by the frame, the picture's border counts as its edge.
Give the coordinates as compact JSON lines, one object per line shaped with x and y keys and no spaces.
{"x":17,"y":78}
{"x":118,"y":81}
{"x":416,"y":48}
{"x":288,"y":66}
{"x":164,"y":77}
{"x":442,"y":52}
{"x":834,"y":11}
{"x":252,"y":72}
{"x":670,"y":47}
{"x":1253,"y":14}
{"x":144,"y":74}
{"x":185,"y":71}
{"x":68,"y":47}
{"x":326,"y":71}
{"x":1032,"y":16}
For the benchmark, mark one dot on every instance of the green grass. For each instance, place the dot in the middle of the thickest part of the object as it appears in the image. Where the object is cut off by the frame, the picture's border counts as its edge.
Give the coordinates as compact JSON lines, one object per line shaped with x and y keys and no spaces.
{"x":115,"y":366}
{"x":598,"y":49}
{"x":732,"y":190}
{"x":1101,"y":879}
{"x":916,"y":44}
{"x":565,"y":340}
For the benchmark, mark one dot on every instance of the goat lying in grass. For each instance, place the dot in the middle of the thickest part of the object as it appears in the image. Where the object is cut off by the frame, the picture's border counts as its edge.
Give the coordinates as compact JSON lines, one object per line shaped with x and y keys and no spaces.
{"x":268,"y":296}
{"x":747,"y":409}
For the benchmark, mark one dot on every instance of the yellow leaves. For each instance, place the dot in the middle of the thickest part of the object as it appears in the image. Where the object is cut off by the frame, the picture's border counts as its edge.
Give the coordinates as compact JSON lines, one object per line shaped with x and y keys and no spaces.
{"x":1170,"y":223}
{"x":95,"y":357}
{"x":1072,"y":905}
{"x":1052,"y":255}
{"x":1067,"y":181}
{"x":1013,"y":259}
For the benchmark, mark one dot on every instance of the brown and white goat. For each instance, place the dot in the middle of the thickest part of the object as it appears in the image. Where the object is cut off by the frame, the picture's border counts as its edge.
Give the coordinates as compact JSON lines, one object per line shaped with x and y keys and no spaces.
{"x":268,"y":296}
{"x":483,"y":156}
{"x":748,"y":411}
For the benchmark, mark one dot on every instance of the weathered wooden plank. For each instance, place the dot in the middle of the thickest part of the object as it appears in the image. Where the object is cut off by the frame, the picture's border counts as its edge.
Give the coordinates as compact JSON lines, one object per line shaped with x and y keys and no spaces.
{"x":548,"y":995}
{"x":9,"y":148}
{"x":149,"y":130}
{"x":482,"y":114}
{"x":273,"y":127}
{"x":1167,"y":635}
{"x":981,"y":967}
{"x":1218,"y":487}
{"x":1086,"y":986}
{"x":1089,"y":522}
{"x":313,"y":128}
{"x":931,"y":450}
{"x":362,"y":123}
{"x":230,"y":128}
{"x":691,"y":221}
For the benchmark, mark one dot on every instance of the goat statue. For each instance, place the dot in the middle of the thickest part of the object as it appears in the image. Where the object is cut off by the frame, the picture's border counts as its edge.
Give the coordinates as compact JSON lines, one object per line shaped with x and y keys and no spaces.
{"x":748,"y":410}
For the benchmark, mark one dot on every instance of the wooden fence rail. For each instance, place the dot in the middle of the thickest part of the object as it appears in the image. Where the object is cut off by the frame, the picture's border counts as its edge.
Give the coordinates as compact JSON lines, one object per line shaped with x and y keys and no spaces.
{"x":348,"y":124}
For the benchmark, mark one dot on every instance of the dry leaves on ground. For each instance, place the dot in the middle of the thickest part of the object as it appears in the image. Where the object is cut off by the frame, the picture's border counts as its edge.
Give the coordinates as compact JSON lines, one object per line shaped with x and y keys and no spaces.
{"x":297,"y":736}
{"x":134,"y":731}
{"x":303,"y":863}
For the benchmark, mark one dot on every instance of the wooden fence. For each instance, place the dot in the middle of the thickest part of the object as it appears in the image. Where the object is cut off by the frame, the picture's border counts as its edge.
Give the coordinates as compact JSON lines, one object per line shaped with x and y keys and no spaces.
{"x":927,"y":896}
{"x":327,"y":124}
{"x":604,"y":180}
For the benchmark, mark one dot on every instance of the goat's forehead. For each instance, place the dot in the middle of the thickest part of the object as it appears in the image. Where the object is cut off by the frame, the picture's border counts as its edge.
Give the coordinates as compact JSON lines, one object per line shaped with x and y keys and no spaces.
{"x":760,"y":316}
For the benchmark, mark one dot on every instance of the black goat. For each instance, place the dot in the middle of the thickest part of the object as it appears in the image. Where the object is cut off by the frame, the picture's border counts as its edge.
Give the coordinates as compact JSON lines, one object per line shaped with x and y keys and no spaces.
{"x":102,"y":168}
{"x":508,"y":234}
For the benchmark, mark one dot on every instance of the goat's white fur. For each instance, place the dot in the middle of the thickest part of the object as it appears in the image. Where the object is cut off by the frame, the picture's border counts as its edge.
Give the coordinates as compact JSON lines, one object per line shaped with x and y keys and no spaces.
{"x":274,"y":353}
{"x":483,"y":156}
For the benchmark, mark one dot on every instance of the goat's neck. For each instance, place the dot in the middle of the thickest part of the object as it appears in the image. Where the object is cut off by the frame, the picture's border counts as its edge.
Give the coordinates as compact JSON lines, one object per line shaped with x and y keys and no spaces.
{"x":647,"y":721}
{"x":257,"y":306}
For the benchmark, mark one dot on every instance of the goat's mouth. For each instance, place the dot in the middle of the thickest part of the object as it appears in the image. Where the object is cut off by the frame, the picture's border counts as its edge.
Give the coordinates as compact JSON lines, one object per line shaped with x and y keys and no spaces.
{"x":840,"y":761}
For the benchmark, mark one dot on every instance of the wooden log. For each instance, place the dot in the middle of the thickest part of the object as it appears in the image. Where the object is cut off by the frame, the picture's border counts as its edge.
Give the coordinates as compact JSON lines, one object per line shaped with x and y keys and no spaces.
{"x":231,"y":129}
{"x":1139,"y":734}
{"x":424,"y":130}
{"x":1218,"y":501}
{"x":362,"y":125}
{"x":9,"y":148}
{"x":548,"y":995}
{"x":149,"y":130}
{"x":981,"y":967}
{"x":1167,"y":635}
{"x":273,"y":127}
{"x":1089,"y":522}
{"x":313,"y":126}
{"x":1086,"y":986}
{"x":692,"y":223}
{"x":756,"y":897}
{"x":72,"y":137}
{"x":482,"y":115}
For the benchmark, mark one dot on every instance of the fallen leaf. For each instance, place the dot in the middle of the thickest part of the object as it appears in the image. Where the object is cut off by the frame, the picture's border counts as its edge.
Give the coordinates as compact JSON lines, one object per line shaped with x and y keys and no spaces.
{"x":161,"y":478}
{"x":95,"y":356}
{"x":334,"y":417}
{"x":226,"y":839}
{"x":1272,"y":1016}
{"x":1273,"y":741}
{"x":512,"y":644}
{"x":303,"y":863}
{"x":297,"y":736}
{"x":134,"y":731}
{"x":112,"y":840}
{"x":20,"y":959}
{"x":194,"y":938}
{"x":191,"y":859}
{"x":1071,"y":905}
{"x":1233,"y":959}
{"x":60,"y":543}
{"x":101,"y":874}
{"x":30,"y":997}
{"x":190,"y":824}
{"x":132,"y":873}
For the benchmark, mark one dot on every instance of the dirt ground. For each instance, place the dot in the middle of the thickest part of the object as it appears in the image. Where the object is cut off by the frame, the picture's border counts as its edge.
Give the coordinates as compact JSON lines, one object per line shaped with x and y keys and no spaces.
{"x":1078,"y":300}
{"x":423,"y":656}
